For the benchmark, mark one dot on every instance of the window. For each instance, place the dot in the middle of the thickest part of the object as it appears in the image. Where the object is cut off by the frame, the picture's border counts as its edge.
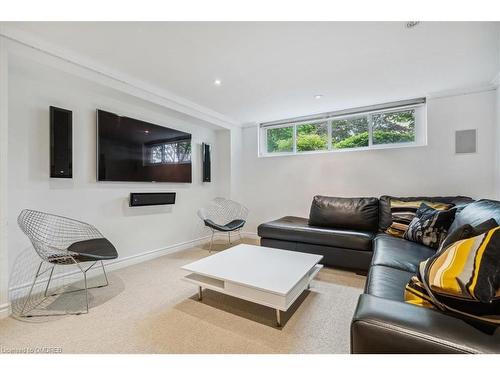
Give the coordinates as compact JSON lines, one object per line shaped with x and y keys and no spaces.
{"x":382,"y":126}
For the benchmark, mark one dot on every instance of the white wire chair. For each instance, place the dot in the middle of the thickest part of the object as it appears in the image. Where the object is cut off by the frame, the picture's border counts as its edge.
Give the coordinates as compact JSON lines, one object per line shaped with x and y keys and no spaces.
{"x":60,"y":240}
{"x":223,"y":215}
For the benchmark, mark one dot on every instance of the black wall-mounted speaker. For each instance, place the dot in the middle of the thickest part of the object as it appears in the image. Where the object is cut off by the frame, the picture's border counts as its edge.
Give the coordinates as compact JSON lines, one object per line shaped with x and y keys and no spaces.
{"x":151,"y":199}
{"x":61,"y":143}
{"x":206,"y":157}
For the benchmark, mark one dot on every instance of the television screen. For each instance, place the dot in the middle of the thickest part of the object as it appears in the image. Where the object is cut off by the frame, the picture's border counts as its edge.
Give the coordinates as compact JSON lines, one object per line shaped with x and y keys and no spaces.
{"x":134,"y":150}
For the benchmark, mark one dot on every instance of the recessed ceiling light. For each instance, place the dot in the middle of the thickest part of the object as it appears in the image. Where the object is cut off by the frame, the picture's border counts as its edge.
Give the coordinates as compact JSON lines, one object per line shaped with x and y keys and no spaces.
{"x":318,"y":96}
{"x":411,"y":24}
{"x":217,"y":82}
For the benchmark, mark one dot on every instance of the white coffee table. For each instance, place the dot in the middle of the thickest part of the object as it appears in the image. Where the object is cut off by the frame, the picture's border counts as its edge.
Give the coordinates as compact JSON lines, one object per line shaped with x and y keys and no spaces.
{"x":267,"y":276}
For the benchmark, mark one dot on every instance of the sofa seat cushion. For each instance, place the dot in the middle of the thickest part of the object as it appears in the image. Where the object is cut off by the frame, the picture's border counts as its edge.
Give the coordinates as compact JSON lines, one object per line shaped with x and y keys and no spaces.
{"x":390,"y":327}
{"x":292,"y":228}
{"x":387,"y":282}
{"x":399,"y":253}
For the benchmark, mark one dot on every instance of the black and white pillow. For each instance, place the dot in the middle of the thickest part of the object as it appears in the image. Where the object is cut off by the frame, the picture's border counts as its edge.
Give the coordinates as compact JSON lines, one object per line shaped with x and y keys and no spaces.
{"x":429,"y":226}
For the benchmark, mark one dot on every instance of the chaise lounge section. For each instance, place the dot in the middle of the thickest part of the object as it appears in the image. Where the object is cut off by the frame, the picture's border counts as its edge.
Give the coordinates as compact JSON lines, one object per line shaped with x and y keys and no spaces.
{"x":339,"y":247}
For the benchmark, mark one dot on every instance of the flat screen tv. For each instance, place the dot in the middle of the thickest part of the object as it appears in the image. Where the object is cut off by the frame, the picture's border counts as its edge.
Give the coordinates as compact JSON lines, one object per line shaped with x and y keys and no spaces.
{"x":134,"y":150}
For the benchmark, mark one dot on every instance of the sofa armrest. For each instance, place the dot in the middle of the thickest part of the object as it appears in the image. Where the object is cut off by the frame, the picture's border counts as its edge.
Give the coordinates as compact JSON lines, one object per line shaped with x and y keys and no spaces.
{"x":385,"y":326}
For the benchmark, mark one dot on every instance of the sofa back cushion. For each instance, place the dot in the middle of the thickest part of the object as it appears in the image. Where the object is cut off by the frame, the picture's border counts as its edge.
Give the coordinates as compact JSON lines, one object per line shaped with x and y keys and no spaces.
{"x":347,"y":213}
{"x":476,"y":213}
{"x":385,"y":217}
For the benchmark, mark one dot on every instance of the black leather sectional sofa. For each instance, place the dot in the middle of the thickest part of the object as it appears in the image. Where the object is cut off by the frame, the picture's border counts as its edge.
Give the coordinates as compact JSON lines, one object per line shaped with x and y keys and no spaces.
{"x":383,"y":322}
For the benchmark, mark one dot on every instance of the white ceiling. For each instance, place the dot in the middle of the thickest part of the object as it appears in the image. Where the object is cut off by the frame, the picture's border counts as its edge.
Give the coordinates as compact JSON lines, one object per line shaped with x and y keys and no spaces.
{"x":273,"y":70}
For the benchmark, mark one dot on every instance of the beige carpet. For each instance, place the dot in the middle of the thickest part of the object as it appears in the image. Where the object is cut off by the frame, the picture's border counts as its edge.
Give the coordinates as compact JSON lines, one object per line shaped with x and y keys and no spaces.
{"x":148,"y":309}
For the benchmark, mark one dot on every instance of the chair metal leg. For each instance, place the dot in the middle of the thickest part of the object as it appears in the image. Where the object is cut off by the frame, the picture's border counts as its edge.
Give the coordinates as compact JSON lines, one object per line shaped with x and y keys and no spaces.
{"x":31,"y":289}
{"x":85,"y":271}
{"x":239,"y":234}
{"x":48,"y":281}
{"x":86,"y":290}
{"x":229,"y":234}
{"x":211,"y":242}
{"x":105,"y":275}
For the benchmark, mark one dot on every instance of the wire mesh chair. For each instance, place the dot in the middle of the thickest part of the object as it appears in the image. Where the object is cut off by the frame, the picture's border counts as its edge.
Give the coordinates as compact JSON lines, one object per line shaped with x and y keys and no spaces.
{"x":59,"y":240}
{"x":223,"y":215}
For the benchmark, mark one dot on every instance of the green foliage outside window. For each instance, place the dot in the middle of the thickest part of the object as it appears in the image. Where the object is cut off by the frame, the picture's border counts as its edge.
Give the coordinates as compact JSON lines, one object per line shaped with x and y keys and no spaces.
{"x":358,"y":140}
{"x":312,"y":137}
{"x":350,"y":132}
{"x":379,"y":137}
{"x":394,"y":127}
{"x":280,"y":139}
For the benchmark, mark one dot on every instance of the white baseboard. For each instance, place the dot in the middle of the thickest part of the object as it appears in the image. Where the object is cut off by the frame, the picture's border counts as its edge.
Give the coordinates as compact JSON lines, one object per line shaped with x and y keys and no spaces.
{"x":128,"y":261}
{"x":251,"y":235}
{"x":4,"y":310}
{"x":152,"y":254}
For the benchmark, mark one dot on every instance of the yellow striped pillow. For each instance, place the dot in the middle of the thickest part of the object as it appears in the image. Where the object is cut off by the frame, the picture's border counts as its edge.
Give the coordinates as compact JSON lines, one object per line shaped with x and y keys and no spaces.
{"x":467,"y":269}
{"x":463,"y":278}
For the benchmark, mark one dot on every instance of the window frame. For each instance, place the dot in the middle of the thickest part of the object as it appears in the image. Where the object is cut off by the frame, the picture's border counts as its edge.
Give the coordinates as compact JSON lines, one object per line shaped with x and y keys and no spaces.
{"x":420,"y":132}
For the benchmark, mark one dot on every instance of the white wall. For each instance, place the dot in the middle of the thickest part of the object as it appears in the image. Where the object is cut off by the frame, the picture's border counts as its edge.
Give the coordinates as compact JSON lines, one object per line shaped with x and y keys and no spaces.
{"x":34,"y":87}
{"x":4,"y":128}
{"x":221,"y":161}
{"x":276,"y":186}
{"x":237,"y":170}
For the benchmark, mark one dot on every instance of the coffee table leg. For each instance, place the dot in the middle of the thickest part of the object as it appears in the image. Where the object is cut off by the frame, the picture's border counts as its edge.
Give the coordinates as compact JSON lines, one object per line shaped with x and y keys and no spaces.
{"x":278,"y":318}
{"x":200,"y":295}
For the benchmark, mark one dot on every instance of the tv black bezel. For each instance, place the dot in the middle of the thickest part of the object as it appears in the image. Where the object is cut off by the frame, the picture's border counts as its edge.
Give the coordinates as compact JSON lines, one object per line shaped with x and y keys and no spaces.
{"x":135,"y":181}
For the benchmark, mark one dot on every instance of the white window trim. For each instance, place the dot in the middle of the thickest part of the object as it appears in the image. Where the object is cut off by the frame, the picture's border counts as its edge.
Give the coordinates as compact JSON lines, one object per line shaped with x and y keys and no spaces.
{"x":420,"y":133}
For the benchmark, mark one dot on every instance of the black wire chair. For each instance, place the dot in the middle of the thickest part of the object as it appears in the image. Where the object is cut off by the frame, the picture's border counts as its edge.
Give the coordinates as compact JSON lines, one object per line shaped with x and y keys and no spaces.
{"x":223,"y":215}
{"x":62,"y":241}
